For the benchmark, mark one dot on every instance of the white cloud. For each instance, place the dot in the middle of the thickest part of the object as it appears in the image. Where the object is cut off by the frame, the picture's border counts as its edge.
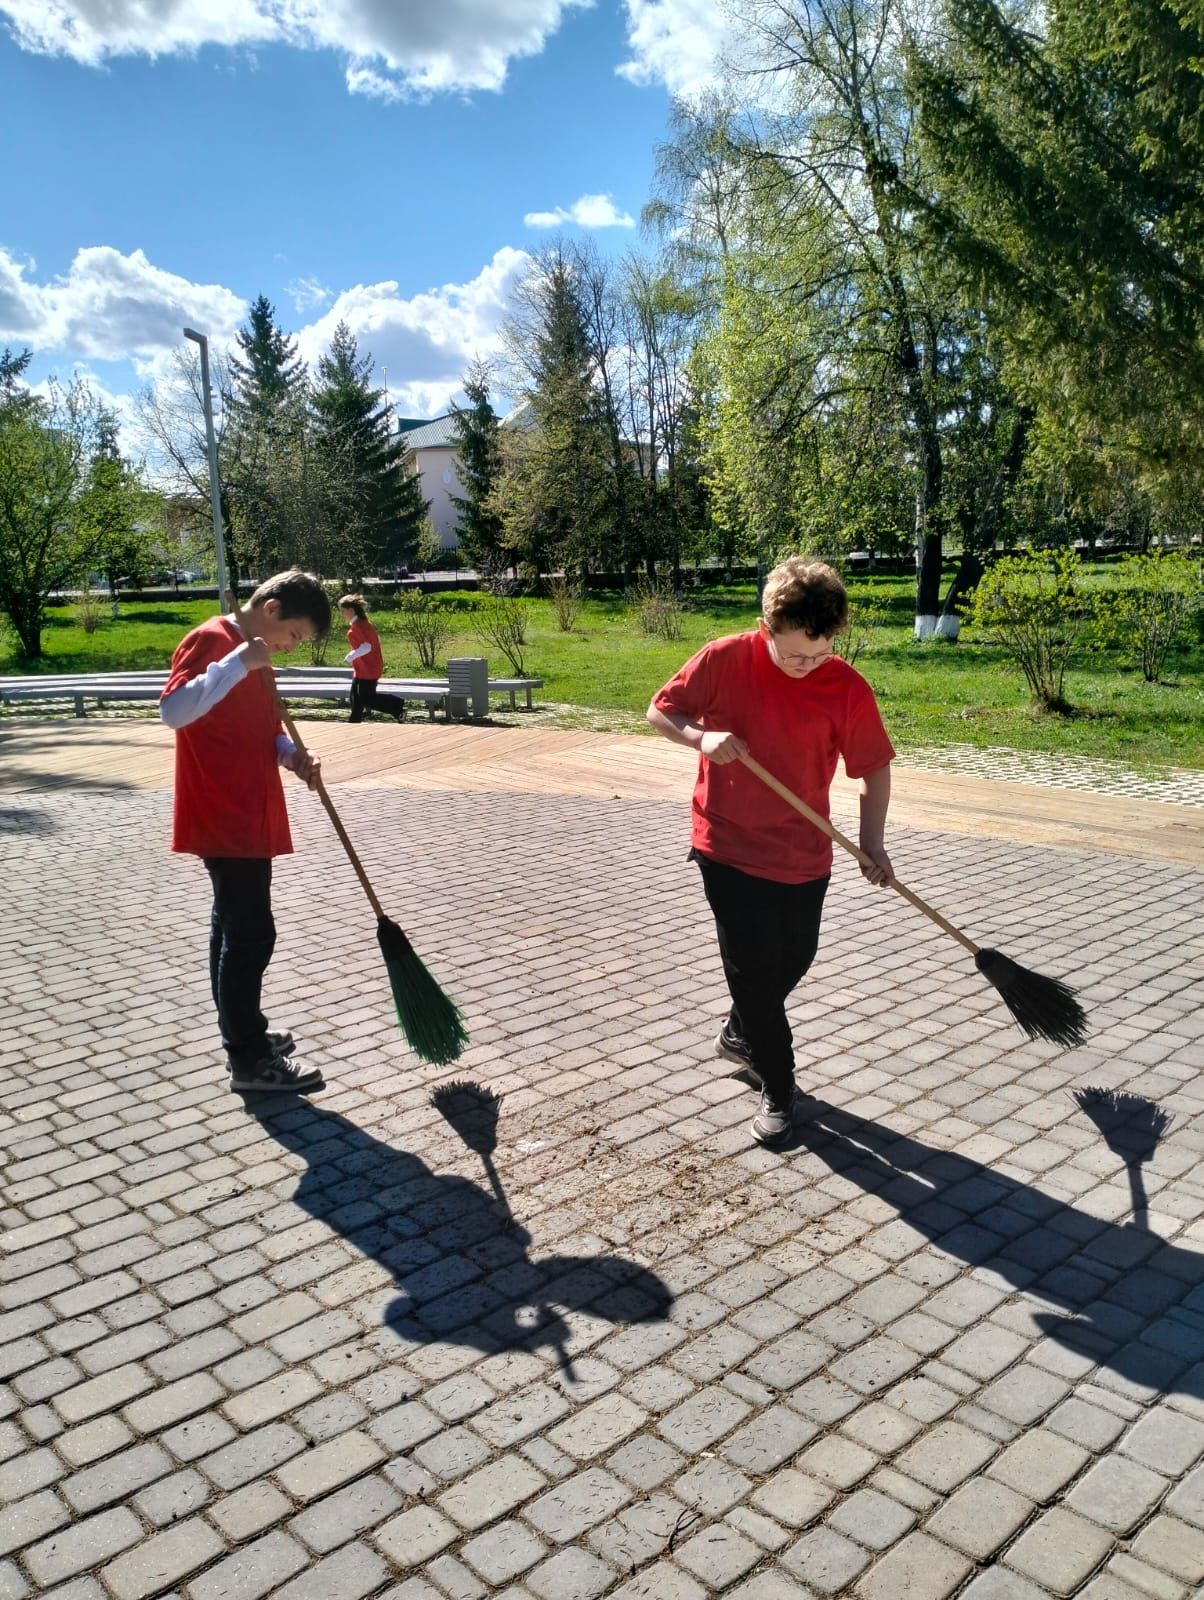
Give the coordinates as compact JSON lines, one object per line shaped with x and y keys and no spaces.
{"x":307,"y":293}
{"x":678,"y":43}
{"x":424,"y":342}
{"x":590,"y":211}
{"x":110,"y":307}
{"x":392,"y":51}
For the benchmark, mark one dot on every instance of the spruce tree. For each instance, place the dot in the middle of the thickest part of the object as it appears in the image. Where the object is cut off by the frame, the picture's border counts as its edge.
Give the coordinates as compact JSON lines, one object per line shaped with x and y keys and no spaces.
{"x":479,"y":462}
{"x":269,"y":374}
{"x":13,"y":391}
{"x":1068,"y":143}
{"x":560,"y":494}
{"x":371,"y":495}
{"x":268,"y":475}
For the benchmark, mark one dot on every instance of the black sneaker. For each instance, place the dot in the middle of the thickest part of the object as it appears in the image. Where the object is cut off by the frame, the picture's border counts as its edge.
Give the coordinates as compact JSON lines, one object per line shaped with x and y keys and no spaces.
{"x":774,"y":1121}
{"x":275,"y":1075}
{"x":283,"y":1044}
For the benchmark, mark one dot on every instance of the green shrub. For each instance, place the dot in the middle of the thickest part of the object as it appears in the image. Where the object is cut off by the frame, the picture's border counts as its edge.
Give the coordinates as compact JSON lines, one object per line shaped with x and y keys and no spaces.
{"x":318,"y":648}
{"x":501,"y":620}
{"x":565,"y":596}
{"x":425,"y":624}
{"x":87,"y":611}
{"x":657,"y":607}
{"x":1034,"y":608}
{"x":865,"y":618}
{"x":1150,"y":606}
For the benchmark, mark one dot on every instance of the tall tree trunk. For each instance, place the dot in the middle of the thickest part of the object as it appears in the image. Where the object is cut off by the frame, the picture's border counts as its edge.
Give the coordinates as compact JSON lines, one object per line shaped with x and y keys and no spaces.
{"x":981,"y":539}
{"x":965,"y":579}
{"x":930,"y":479}
{"x":25,"y":614}
{"x":929,"y":461}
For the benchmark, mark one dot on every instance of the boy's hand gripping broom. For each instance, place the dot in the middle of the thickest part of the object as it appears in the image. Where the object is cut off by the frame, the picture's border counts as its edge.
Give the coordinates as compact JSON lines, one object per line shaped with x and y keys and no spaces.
{"x":430,"y":1019}
{"x":1044,"y":1007}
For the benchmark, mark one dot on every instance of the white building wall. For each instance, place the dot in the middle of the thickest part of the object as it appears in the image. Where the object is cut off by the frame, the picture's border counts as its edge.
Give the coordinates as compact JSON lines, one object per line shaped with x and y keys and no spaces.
{"x":437,"y":466}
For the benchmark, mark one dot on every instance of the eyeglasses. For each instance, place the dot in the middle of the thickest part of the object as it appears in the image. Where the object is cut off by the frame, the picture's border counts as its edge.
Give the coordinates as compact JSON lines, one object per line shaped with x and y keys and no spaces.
{"x":805,"y":662}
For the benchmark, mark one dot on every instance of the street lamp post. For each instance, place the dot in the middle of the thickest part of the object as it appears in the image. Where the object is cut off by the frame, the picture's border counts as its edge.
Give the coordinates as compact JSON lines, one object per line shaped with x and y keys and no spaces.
{"x":215,"y":497}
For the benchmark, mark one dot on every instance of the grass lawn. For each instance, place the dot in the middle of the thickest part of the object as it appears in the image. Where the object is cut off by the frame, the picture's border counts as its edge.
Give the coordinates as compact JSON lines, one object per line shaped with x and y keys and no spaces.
{"x":931,"y":695}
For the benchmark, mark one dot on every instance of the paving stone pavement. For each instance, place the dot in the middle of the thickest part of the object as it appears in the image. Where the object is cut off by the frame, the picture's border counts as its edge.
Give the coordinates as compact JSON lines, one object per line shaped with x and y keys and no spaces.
{"x":1181,"y":786}
{"x":347,"y":1349}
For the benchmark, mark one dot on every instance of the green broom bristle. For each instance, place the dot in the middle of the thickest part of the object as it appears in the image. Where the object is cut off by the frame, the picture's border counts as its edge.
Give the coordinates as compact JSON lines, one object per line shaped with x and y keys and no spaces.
{"x":430,"y":1019}
{"x":1044,"y":1007}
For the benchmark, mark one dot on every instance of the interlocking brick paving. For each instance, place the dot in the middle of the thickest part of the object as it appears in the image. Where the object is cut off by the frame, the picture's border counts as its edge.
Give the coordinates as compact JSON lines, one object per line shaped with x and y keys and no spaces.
{"x":1183,"y":786}
{"x":328,"y":1349}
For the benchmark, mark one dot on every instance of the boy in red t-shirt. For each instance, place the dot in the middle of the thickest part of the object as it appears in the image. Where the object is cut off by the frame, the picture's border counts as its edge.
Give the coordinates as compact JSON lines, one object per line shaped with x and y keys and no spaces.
{"x":220,"y":699}
{"x":367,"y":662}
{"x":782,"y":695}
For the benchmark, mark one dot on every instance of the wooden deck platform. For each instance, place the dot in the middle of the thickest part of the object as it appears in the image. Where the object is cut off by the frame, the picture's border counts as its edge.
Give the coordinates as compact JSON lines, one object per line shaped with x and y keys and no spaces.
{"x":96,"y":755}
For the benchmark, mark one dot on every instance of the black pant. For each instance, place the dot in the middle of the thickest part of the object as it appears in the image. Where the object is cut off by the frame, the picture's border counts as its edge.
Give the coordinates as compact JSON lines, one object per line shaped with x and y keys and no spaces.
{"x":768,"y":936}
{"x":365,"y":698}
{"x":242,"y":936}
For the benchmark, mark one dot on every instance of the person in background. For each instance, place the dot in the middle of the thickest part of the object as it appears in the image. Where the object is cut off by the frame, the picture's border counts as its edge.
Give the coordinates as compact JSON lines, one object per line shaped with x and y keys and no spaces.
{"x":367,"y":662}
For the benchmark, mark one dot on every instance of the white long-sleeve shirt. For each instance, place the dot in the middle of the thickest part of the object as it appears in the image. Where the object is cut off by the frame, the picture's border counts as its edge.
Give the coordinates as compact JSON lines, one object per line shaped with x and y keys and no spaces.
{"x":193,"y":699}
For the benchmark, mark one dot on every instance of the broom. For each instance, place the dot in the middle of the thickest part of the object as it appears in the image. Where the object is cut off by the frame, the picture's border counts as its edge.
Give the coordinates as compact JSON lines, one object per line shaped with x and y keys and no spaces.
{"x":1044,"y":1007}
{"x":430,"y":1019}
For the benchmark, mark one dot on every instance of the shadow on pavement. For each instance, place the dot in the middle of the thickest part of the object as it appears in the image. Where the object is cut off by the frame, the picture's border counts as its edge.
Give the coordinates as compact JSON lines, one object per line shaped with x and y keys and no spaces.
{"x":1114,"y":1293}
{"x":460,"y":1260}
{"x":21,"y":771}
{"x":17,"y":819}
{"x":1132,"y":1127}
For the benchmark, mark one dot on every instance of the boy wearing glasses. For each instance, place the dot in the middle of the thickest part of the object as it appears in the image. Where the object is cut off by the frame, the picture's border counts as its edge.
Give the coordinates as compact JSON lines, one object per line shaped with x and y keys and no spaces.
{"x":781,"y":694}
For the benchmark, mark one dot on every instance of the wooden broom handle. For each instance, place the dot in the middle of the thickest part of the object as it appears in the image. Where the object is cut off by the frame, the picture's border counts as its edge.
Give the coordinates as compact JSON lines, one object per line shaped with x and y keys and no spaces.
{"x":824,"y":826}
{"x":290,"y":727}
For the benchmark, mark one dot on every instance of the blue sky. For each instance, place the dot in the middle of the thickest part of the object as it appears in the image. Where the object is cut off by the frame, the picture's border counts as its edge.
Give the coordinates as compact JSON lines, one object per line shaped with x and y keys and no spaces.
{"x":377,"y":160}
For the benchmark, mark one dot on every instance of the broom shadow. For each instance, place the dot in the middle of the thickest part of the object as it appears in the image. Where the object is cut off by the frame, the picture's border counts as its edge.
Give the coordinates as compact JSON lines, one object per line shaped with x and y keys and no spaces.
{"x":1132,"y":1127}
{"x":1117,"y":1294}
{"x":458,"y":1256}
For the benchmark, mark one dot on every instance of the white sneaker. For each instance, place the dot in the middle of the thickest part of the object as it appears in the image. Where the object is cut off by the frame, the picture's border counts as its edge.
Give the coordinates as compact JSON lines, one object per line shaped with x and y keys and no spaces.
{"x":774,"y":1121}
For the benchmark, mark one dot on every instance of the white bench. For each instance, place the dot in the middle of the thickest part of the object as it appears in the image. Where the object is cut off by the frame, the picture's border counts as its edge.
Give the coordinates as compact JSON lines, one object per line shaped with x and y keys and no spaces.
{"x":294,"y":683}
{"x":131,"y":686}
{"x":511,"y":686}
{"x":399,"y":686}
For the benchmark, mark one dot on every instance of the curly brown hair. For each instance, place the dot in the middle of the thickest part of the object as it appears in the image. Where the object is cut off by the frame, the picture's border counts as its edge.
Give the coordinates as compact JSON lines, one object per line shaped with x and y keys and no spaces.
{"x":808,"y":595}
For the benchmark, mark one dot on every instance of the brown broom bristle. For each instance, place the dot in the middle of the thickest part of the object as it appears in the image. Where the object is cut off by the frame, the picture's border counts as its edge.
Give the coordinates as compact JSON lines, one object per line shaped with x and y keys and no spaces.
{"x":1044,"y":1007}
{"x":430,"y":1019}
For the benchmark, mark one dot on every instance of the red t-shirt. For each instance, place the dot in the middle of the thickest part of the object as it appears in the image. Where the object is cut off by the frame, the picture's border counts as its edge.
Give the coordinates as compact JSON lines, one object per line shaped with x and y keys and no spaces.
{"x":796,"y":727}
{"x":228,"y":798}
{"x":372,"y":664}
